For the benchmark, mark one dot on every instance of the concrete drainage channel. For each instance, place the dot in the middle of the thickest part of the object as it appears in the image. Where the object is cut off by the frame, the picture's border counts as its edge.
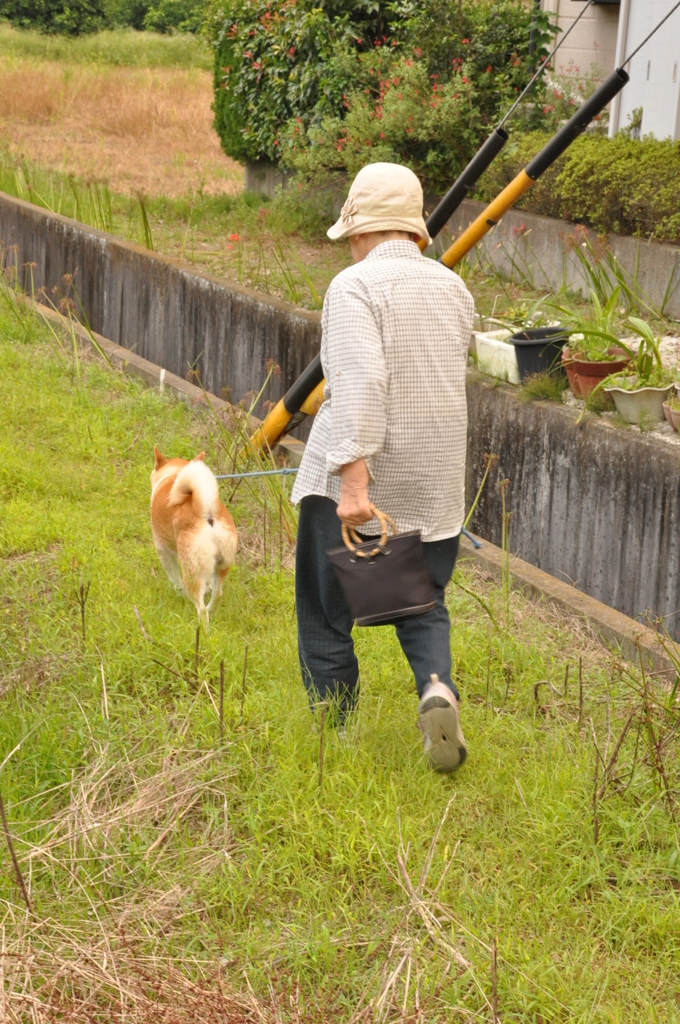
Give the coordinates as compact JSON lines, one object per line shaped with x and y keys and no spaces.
{"x":593,"y":506}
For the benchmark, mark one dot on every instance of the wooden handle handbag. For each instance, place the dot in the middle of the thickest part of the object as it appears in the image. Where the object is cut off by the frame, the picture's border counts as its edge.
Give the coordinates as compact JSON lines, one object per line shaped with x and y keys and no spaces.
{"x":383,"y":580}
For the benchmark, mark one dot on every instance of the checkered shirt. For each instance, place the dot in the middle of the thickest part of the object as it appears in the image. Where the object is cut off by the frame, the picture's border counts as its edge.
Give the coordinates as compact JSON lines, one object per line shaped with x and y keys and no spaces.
{"x":395,"y":333}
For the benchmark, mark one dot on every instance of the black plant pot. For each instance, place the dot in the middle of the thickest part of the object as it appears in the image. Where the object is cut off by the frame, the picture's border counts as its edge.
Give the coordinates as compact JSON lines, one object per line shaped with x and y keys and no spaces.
{"x":539,"y":350}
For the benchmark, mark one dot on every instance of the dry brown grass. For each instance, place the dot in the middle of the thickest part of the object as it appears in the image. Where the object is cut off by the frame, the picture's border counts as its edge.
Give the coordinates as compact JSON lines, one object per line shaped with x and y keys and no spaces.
{"x":50,"y":973}
{"x":140,"y":129}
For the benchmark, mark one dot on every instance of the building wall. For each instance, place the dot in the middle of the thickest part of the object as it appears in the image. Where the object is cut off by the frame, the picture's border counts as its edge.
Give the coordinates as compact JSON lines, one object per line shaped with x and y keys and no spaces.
{"x":655,"y":72}
{"x":593,"y":41}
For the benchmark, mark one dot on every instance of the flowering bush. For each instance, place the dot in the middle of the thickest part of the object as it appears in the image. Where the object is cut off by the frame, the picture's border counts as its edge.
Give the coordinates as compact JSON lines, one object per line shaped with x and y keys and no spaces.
{"x":564,"y":90}
{"x":403,"y":116}
{"x":287,"y":72}
{"x":277,"y":59}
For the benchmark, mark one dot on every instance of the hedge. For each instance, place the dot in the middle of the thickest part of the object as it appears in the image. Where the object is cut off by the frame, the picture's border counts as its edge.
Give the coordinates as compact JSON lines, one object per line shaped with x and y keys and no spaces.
{"x":623,"y":185}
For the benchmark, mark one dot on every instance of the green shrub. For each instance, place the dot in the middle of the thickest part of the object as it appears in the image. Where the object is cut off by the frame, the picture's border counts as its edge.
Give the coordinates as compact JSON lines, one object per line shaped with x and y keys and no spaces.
{"x":627,"y":186}
{"x":492,"y":39}
{"x":69,"y":17}
{"x":158,"y":15}
{"x":81,"y":17}
{"x":174,"y":16}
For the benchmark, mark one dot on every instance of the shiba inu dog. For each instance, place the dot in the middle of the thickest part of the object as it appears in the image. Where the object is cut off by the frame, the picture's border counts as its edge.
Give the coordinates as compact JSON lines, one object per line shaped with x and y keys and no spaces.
{"x":193,"y":533}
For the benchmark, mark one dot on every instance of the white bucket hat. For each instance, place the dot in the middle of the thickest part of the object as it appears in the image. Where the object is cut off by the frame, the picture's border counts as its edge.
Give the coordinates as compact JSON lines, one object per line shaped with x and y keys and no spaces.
{"x":383,"y":197}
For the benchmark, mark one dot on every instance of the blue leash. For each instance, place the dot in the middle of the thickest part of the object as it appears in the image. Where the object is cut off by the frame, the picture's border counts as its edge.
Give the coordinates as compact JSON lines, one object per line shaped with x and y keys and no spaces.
{"x":287,"y":472}
{"x":260,"y":472}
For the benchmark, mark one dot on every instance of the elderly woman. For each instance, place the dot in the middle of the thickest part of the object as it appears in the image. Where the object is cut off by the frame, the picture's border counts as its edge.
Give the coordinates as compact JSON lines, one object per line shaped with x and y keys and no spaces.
{"x":391,"y":434}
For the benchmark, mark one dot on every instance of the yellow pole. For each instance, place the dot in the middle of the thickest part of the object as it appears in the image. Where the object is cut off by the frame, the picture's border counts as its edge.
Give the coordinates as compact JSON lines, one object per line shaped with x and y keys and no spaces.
{"x":272,"y":428}
{"x":313,"y":402}
{"x":488,"y":218}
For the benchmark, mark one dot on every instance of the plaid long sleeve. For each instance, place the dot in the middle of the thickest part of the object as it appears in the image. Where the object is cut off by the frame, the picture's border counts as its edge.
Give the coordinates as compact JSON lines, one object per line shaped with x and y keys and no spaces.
{"x":395,"y":333}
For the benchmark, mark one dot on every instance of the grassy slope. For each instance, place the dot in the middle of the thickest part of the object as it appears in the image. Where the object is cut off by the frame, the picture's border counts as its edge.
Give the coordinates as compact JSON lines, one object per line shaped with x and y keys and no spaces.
{"x":143,"y":842}
{"x":117,"y":47}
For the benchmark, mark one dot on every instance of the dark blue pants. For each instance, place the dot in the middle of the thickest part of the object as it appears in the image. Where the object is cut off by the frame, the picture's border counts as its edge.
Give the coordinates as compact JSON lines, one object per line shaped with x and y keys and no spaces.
{"x":329,"y":666}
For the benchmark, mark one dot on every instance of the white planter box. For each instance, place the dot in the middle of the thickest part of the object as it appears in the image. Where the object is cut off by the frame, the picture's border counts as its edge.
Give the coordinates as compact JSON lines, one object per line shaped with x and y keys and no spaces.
{"x":495,"y":356}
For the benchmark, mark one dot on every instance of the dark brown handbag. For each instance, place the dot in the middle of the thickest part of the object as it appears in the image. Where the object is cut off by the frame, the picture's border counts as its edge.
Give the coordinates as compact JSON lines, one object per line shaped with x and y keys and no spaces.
{"x":385,"y":580}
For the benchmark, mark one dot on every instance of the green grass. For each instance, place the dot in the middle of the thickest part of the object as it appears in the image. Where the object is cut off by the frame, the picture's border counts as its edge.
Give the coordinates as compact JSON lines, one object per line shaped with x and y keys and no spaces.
{"x":156,"y":856}
{"x":118,"y":47}
{"x":547,"y":386}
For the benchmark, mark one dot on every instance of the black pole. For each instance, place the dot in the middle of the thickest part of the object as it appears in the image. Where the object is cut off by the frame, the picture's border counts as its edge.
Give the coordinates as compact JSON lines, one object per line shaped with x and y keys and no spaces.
{"x":577,"y":124}
{"x":310,"y":377}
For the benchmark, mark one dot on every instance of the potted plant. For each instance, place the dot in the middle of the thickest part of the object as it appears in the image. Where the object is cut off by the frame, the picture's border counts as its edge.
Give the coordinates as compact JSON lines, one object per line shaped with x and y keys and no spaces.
{"x":495,"y":355}
{"x":494,"y":352}
{"x":671,"y":408}
{"x":640,"y":390}
{"x":539,"y":349}
{"x":532,"y":344}
{"x":597,"y":351}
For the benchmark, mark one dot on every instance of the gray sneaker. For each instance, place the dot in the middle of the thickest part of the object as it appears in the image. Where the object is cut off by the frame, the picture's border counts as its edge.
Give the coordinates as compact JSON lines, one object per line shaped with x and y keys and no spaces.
{"x":439,"y":722}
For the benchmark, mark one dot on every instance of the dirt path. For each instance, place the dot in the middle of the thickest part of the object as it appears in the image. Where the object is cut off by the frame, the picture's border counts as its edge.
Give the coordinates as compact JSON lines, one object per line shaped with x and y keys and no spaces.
{"x":140,"y":130}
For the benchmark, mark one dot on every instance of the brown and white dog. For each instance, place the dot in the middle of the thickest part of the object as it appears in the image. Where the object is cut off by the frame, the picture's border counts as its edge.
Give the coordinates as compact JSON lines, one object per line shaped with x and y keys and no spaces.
{"x":194,"y":534}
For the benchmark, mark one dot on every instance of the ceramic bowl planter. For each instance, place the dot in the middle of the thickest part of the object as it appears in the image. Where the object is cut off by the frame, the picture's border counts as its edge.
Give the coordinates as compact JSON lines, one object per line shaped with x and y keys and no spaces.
{"x":643,"y":405}
{"x":584,"y":375}
{"x":496,"y":356}
{"x":539,"y":350}
{"x":672,"y":415}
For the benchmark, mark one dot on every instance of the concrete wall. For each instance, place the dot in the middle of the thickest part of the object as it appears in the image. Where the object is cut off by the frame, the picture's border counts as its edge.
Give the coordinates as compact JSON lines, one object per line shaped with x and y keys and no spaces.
{"x":164,"y":311}
{"x":591,"y":505}
{"x":539,"y":250}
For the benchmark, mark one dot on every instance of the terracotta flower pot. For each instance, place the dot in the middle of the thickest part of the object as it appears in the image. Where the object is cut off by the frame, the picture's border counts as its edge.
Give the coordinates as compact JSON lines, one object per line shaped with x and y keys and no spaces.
{"x":568,"y":364}
{"x":584,"y":375}
{"x":672,"y":415}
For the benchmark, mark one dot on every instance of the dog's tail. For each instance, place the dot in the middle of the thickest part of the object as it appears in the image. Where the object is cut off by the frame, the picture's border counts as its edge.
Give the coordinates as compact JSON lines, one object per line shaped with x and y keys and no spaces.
{"x":197,"y":482}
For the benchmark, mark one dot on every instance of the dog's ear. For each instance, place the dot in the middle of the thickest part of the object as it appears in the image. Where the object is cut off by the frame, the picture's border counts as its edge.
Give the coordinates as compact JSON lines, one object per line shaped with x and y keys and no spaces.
{"x":200,"y":457}
{"x":159,"y":460}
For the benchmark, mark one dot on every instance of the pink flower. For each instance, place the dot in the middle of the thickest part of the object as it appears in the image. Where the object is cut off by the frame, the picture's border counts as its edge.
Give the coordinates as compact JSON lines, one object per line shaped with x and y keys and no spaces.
{"x":234,"y":237}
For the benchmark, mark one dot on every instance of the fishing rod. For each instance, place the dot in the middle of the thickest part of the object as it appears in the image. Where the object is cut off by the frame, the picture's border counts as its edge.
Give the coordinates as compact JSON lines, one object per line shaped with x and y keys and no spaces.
{"x":305,"y":396}
{"x":526,"y":178}
{"x":489,"y":151}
